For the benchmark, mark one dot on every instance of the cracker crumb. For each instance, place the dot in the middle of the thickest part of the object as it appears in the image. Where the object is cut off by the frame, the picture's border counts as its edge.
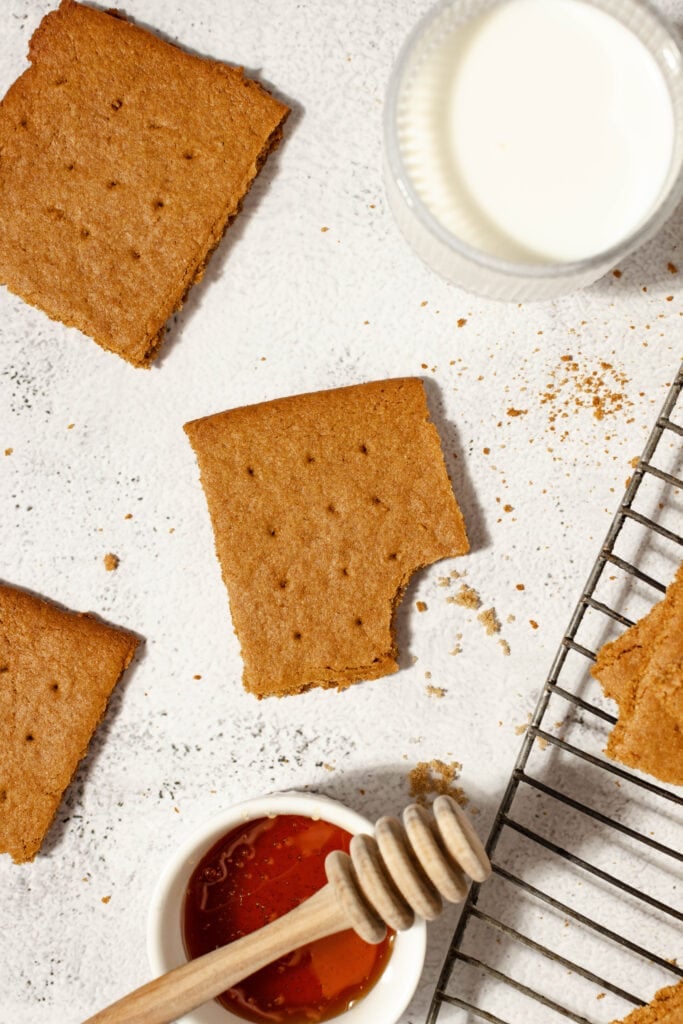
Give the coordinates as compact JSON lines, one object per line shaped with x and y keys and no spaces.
{"x":128,"y":515}
{"x":572,"y":388}
{"x":521,"y":729}
{"x":533,"y":623}
{"x":508,"y":508}
{"x":600,"y":995}
{"x":672,"y":268}
{"x":328,"y":767}
{"x":542,"y":742}
{"x":616,"y":273}
{"x":105,"y":899}
{"x":456,"y":650}
{"x":466,"y":596}
{"x":505,"y":645}
{"x":196,"y":677}
{"x":324,"y":229}
{"x":436,"y":777}
{"x":421,"y":606}
{"x":489,"y":620}
{"x":111,"y":562}
{"x":70,"y":426}
{"x":517,"y":412}
{"x":435,"y":691}
{"x":8,"y":451}
{"x":520,"y":586}
{"x":461,"y":322}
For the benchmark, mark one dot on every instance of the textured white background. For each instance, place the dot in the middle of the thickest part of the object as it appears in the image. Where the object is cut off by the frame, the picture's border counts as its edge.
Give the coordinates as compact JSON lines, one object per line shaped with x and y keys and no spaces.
{"x":285,"y":307}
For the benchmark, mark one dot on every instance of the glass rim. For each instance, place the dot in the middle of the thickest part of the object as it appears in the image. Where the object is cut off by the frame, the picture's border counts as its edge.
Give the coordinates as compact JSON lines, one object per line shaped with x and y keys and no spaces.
{"x":513,"y":268}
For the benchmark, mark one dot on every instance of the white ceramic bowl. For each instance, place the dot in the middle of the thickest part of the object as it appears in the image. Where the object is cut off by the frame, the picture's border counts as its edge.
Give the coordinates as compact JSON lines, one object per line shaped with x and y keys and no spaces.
{"x":395,"y":987}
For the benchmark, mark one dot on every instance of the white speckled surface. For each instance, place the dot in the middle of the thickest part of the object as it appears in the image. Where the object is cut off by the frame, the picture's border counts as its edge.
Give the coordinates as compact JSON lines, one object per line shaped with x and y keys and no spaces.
{"x":286,"y":307}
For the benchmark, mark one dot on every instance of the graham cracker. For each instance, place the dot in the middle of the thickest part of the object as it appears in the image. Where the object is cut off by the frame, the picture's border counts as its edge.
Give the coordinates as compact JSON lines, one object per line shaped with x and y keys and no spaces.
{"x":665,"y":1008}
{"x":323,"y":505}
{"x":643,"y":672}
{"x":57,"y":671}
{"x":122,"y":161}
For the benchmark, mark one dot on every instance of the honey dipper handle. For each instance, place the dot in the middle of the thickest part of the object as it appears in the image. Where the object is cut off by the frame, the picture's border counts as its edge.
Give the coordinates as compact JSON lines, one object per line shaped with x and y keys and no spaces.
{"x":173,"y":994}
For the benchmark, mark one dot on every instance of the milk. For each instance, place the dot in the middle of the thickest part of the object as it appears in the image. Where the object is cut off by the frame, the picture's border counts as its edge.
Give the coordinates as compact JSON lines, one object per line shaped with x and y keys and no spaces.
{"x":541,"y":131}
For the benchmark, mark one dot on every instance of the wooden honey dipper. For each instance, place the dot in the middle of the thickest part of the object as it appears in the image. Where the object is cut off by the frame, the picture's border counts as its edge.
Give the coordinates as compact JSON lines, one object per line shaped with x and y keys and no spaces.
{"x":403,"y":871}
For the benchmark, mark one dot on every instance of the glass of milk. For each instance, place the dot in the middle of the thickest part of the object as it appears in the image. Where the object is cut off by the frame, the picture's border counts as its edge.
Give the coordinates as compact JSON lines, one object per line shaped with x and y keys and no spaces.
{"x":531,"y":144}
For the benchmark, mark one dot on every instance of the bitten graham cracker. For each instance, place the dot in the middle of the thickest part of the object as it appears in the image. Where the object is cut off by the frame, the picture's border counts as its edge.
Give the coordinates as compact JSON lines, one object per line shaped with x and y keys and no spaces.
{"x":323,"y":505}
{"x":122,"y":161}
{"x":665,"y":1008}
{"x":57,"y":671}
{"x":642,"y":671}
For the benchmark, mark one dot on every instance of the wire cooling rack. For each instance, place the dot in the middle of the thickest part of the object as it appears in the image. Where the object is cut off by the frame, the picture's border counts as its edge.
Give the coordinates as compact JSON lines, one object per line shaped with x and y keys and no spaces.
{"x":581,"y":920}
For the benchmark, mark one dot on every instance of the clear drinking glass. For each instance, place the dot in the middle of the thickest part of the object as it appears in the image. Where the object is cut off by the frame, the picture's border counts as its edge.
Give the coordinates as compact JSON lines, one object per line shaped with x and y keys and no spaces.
{"x":479,"y":271}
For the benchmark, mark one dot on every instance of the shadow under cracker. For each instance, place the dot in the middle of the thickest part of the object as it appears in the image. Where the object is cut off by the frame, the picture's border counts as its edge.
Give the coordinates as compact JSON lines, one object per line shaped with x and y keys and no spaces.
{"x":456,"y":466}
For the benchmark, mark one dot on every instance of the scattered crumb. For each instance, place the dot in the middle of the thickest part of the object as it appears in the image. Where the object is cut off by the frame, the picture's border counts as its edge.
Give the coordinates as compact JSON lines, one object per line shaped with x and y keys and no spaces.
{"x":111,"y":562}
{"x":600,"y":995}
{"x":508,"y":508}
{"x":520,"y":586}
{"x":421,"y":606}
{"x":533,"y":623}
{"x":616,"y":273}
{"x":511,"y":618}
{"x":466,"y":596}
{"x":105,"y":899}
{"x":328,"y":767}
{"x":435,"y":691}
{"x":517,"y":412}
{"x":486,"y":451}
{"x":455,"y":574}
{"x":196,"y":677}
{"x":462,"y":322}
{"x":324,"y":229}
{"x":443,"y":581}
{"x":8,"y":451}
{"x":489,"y":621}
{"x":128,"y":515}
{"x":456,"y":650}
{"x":572,"y":388}
{"x":436,"y":777}
{"x":505,"y":645}
{"x":542,"y":742}
{"x":520,"y":729}
{"x":672,"y":268}
{"x":70,"y":426}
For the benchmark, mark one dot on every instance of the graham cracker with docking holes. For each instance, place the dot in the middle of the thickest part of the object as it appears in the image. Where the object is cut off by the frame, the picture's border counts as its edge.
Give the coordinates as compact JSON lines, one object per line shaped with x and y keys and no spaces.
{"x":323,"y":505}
{"x":57,"y":671}
{"x":122,"y":161}
{"x":642,"y":670}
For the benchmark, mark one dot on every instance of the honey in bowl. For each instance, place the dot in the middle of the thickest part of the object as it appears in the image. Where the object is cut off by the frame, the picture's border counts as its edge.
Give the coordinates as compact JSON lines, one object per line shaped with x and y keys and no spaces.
{"x":255,"y":874}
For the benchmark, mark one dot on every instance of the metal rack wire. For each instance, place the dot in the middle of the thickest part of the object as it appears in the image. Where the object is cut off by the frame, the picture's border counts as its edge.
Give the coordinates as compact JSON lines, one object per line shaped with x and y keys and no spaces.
{"x":586,"y":854}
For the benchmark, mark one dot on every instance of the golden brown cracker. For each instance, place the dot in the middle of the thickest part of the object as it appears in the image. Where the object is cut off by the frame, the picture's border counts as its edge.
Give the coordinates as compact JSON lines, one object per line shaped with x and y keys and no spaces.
{"x":57,"y":670}
{"x":665,"y":1008}
{"x":323,"y":505}
{"x":122,"y":161}
{"x":643,"y":672}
